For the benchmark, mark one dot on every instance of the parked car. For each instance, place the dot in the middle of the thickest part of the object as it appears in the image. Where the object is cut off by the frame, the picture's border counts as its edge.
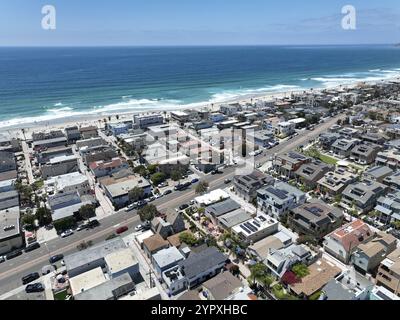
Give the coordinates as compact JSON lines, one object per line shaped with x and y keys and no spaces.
{"x":32,"y":246}
{"x":93,"y":224}
{"x":13,"y":254}
{"x":182,"y":207}
{"x":56,"y":258}
{"x":67,"y":233}
{"x":166,"y":192}
{"x":82,"y":227}
{"x":227,"y":181}
{"x":178,"y":187}
{"x":187,"y":185}
{"x":151,"y":199}
{"x":122,"y":230}
{"x":158,"y":195}
{"x":36,"y":287}
{"x":162,"y":185}
{"x":195,"y":180}
{"x":30,"y":277}
{"x":141,"y":203}
{"x":2,"y":259}
{"x":131,"y":207}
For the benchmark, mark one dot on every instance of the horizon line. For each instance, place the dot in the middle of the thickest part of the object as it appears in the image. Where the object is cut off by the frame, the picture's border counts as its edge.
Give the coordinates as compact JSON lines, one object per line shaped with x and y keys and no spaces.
{"x":195,"y":45}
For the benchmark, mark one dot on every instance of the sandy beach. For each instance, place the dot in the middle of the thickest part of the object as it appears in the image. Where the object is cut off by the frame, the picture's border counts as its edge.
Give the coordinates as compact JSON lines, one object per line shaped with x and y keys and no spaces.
{"x":98,"y":119}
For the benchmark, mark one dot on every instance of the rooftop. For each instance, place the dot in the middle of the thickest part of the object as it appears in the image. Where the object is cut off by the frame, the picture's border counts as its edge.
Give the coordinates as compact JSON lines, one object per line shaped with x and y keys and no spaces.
{"x":168,"y":256}
{"x":222,"y":285}
{"x":120,"y":260}
{"x":87,"y":281}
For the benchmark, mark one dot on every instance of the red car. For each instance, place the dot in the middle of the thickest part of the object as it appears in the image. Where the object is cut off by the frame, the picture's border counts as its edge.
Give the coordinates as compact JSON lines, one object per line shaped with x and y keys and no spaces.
{"x":121,"y":230}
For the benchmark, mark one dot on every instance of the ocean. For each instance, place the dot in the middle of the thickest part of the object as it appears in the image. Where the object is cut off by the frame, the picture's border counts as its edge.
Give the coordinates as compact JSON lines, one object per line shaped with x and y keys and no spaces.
{"x":41,"y":84}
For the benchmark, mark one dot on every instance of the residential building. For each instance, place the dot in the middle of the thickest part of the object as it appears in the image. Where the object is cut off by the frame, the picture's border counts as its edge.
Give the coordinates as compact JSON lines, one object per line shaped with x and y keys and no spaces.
{"x":153,"y":244}
{"x":112,"y":289}
{"x":389,"y":158}
{"x":230,"y":109}
{"x":41,"y":145}
{"x":286,"y":129}
{"x":83,"y":145}
{"x":147,"y":120}
{"x":260,"y":249}
{"x":320,"y":274}
{"x":364,"y":153}
{"x":379,"y":174}
{"x":342,"y":148}
{"x":9,"y":199}
{"x":288,"y":163}
{"x":246,"y":186}
{"x":166,"y":259}
{"x":201,"y":266}
{"x":217,"y":117}
{"x":221,"y":287}
{"x":117,"y":190}
{"x":277,"y":200}
{"x":67,"y":183}
{"x":175,"y":280}
{"x":47,"y":135}
{"x":211,"y":198}
{"x":120,"y":262}
{"x":334,"y":183}
{"x":315,"y":219}
{"x":88,"y":132}
{"x":327,"y":139}
{"x":180,"y":116}
{"x":388,"y":208}
{"x":310,"y":173}
{"x":73,"y":134}
{"x":45,"y":156}
{"x":393,"y":181}
{"x":65,"y":205}
{"x":10,"y":232}
{"x":218,"y":209}
{"x":342,"y":242}
{"x":93,"y":257}
{"x":256,"y":229}
{"x":281,"y":260}
{"x":388,"y":275}
{"x":7,"y":161}
{"x":231,"y":219}
{"x":105,"y":168}
{"x":101,"y":153}
{"x":262,"y":138}
{"x":368,"y":256}
{"x":362,"y":196}
{"x":58,"y":166}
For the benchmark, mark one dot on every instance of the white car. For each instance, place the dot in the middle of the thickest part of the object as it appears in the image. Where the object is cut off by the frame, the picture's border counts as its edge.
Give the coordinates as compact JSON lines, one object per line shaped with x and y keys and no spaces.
{"x":158,"y":196}
{"x":67,"y":233}
{"x":2,"y":259}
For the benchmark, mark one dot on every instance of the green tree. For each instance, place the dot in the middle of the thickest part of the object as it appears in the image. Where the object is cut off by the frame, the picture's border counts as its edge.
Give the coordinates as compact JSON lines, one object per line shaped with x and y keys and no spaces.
{"x":141,"y":170}
{"x":148,"y":212}
{"x":43,"y":215}
{"x":188,"y":238}
{"x":158,"y":178}
{"x":258,"y":272}
{"x":176,"y":175}
{"x":87,"y":211}
{"x":300,"y":270}
{"x":136,"y":194}
{"x":28,"y":219}
{"x":152,"y":168}
{"x":202,"y":187}
{"x":64,"y":224}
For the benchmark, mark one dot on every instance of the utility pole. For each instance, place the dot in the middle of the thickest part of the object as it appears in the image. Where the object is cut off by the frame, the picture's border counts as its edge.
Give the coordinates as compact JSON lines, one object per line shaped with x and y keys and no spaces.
{"x":150,"y":278}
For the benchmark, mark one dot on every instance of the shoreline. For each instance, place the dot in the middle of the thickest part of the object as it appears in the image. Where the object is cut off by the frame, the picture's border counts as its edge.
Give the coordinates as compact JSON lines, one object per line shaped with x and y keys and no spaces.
{"x":96,"y":119}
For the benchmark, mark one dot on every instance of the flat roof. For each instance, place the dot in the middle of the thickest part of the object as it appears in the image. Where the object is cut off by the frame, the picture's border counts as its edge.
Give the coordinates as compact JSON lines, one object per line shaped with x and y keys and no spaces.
{"x":234,"y":218}
{"x":87,"y":281}
{"x":8,"y":218}
{"x":168,"y":256}
{"x":120,"y":260}
{"x":94,"y":253}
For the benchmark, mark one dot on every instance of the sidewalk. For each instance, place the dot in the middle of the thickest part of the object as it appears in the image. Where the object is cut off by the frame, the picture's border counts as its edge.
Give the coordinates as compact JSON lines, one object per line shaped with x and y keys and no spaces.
{"x":43,"y":235}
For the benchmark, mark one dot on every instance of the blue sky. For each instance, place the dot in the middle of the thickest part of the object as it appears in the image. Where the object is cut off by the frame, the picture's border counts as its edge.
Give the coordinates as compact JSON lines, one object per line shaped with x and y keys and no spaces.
{"x":198,"y":22}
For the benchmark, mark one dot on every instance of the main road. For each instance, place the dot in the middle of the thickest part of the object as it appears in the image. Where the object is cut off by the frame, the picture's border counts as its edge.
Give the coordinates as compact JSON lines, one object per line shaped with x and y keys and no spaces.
{"x":13,"y":270}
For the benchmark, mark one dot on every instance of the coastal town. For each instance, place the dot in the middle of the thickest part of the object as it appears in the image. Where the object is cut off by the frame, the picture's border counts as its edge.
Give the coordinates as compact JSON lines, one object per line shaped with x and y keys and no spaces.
{"x":295,"y":197}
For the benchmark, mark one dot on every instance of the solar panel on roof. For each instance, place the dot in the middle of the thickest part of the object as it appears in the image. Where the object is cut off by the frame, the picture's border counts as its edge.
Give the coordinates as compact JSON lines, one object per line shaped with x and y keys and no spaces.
{"x":250,"y":226}
{"x":281,"y":194}
{"x":244,"y":228}
{"x":256,"y":224}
